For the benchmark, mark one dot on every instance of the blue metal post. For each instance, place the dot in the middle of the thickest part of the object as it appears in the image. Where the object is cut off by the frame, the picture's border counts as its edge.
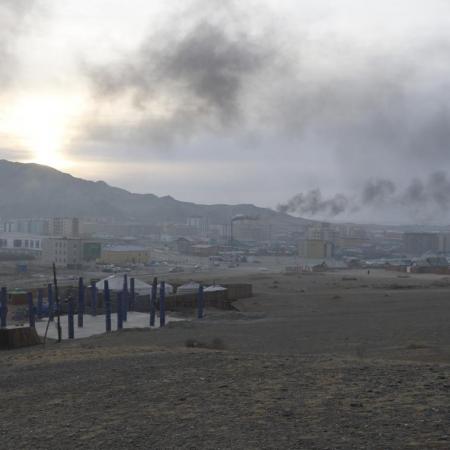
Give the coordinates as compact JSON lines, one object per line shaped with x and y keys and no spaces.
{"x":31,"y":310}
{"x":153,"y":302}
{"x":124,"y":305}
{"x":107,"y":300}
{"x":200,"y":303}
{"x":80,"y":302}
{"x":3,"y":307}
{"x":132,"y":294}
{"x":162,"y":304}
{"x":51,"y":306}
{"x":119,"y":310}
{"x":125,"y":298}
{"x":40,"y":301}
{"x":70,"y":318}
{"x":94,"y":299}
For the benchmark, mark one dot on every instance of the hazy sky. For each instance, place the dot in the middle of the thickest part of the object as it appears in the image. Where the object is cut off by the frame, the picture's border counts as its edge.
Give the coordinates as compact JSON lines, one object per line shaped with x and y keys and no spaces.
{"x":245,"y":101}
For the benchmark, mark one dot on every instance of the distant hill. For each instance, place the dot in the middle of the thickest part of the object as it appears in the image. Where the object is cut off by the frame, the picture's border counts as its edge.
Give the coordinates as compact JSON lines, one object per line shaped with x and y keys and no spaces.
{"x":32,"y":190}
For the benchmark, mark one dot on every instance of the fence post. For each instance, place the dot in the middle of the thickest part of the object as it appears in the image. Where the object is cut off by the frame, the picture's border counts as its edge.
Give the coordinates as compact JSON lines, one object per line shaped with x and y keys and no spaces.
{"x":31,"y":310}
{"x":70,"y":318}
{"x":162,"y":304}
{"x":40,"y":300}
{"x":200,"y":302}
{"x":94,"y":299}
{"x":119,"y":310}
{"x":132,"y":294}
{"x":80,"y":302}
{"x":3,"y":307}
{"x":51,"y":306}
{"x":107,"y":300}
{"x":153,"y":301}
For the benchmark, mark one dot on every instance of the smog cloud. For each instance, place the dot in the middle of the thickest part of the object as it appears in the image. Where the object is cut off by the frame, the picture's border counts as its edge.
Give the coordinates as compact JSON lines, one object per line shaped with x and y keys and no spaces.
{"x":12,"y":16}
{"x":212,"y":75}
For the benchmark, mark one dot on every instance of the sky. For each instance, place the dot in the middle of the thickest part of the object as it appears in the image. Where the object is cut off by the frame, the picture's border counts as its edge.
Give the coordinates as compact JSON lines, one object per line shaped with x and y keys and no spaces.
{"x":325,"y":109}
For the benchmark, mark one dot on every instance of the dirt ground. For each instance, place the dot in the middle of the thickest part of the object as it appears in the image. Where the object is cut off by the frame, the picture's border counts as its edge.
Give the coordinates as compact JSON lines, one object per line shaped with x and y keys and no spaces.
{"x":341,"y":360}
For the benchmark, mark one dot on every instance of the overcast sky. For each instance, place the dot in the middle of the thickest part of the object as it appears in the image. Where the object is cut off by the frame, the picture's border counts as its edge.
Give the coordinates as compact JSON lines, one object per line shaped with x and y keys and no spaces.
{"x":345,"y":103}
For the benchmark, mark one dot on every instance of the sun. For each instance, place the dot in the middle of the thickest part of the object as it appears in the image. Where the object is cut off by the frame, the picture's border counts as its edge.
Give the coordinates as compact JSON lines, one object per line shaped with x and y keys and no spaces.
{"x":43,"y":124}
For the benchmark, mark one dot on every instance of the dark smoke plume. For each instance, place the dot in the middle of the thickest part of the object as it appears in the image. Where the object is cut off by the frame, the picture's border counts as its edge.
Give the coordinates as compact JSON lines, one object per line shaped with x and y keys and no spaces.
{"x":210,"y":76}
{"x":197,"y":76}
{"x":434,"y":193}
{"x":312,"y":203}
{"x":435,"y":190}
{"x":377,"y":191}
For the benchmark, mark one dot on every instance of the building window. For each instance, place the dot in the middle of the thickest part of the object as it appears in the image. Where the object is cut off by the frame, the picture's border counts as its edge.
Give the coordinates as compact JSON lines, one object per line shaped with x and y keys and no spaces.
{"x":17,"y":243}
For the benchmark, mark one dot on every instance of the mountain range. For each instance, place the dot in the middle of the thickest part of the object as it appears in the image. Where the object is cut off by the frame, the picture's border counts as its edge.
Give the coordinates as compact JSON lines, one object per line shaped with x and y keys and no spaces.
{"x":33,"y":190}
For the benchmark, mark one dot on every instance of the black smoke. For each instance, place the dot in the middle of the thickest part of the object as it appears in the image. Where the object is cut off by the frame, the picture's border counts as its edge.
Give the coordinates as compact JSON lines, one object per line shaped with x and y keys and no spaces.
{"x":186,"y":80}
{"x":377,"y":191}
{"x":312,"y":203}
{"x":432,"y":193}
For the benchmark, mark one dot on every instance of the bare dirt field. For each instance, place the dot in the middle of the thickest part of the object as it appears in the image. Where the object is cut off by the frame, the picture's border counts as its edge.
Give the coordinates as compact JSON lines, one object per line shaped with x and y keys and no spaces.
{"x":341,"y":360}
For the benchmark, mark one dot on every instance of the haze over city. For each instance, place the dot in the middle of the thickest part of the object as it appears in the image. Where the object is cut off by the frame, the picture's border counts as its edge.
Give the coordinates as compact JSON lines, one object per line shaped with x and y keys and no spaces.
{"x":303,"y":105}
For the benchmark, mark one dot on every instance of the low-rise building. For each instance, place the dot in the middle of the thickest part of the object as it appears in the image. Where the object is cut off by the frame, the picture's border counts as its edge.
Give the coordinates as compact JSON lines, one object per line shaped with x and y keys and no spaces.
{"x":69,"y":252}
{"x":125,"y":254}
{"x":63,"y":251}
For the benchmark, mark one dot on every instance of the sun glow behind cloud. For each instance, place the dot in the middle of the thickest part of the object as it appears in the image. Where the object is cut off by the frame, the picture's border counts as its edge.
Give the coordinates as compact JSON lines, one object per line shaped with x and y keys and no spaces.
{"x":42,"y":125}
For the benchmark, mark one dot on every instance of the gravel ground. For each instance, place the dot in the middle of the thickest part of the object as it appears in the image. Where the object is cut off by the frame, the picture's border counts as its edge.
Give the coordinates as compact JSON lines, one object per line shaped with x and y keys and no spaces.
{"x":296,"y":368}
{"x":145,"y":397}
